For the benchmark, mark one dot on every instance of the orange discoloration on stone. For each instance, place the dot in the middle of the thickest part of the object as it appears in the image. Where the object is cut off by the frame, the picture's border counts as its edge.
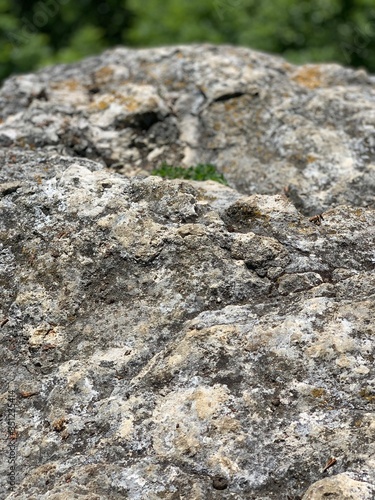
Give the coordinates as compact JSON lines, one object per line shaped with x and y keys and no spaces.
{"x":309,"y":76}
{"x":103,"y":75}
{"x":66,"y":85}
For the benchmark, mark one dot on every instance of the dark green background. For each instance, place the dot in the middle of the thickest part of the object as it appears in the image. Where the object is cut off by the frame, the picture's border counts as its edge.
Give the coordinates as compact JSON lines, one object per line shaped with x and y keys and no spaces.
{"x":36,"y":33}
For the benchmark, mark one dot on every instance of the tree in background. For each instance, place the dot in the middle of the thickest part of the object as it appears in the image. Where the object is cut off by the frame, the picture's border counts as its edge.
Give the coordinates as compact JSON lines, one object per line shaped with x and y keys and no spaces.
{"x":300,"y":30}
{"x":35,"y":33}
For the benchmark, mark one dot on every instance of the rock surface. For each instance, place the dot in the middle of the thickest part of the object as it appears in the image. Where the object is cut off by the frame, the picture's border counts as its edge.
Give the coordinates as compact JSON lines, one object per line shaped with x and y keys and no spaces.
{"x":267,"y":125}
{"x":340,"y":487}
{"x":182,"y":339}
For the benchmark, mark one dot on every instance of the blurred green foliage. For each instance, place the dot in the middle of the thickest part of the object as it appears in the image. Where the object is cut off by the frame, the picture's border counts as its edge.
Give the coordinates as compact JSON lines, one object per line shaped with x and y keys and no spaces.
{"x":36,"y":33}
{"x":201,"y":172}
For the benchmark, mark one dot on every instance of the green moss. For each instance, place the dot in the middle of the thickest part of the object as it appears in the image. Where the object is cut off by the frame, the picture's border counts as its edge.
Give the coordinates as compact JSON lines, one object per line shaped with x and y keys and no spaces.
{"x":201,"y":172}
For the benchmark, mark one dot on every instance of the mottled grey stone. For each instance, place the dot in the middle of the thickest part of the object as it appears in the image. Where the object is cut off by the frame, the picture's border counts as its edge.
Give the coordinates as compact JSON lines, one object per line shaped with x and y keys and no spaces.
{"x":183,"y":339}
{"x":339,"y":487}
{"x":268,"y":125}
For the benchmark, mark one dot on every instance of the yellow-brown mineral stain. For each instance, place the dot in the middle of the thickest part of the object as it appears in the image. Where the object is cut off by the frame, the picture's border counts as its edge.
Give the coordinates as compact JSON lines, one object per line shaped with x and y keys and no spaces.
{"x":309,"y":76}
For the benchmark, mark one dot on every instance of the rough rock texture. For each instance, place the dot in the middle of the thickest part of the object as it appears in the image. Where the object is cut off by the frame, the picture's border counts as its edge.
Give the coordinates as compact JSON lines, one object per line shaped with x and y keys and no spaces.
{"x":340,"y":487}
{"x":188,"y":340}
{"x":266,"y":124}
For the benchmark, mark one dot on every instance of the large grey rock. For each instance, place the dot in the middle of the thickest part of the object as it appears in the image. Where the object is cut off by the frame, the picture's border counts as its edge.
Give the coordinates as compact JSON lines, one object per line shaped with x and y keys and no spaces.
{"x":175,"y":339}
{"x":268,"y":125}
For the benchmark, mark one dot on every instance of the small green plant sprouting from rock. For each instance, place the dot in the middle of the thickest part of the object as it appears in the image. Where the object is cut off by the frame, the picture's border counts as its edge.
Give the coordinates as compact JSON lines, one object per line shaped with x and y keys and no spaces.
{"x":201,"y":172}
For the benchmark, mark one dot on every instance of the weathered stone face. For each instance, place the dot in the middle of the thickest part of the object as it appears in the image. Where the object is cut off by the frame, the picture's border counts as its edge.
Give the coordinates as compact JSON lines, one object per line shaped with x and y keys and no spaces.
{"x":266,"y":124}
{"x":181,"y":339}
